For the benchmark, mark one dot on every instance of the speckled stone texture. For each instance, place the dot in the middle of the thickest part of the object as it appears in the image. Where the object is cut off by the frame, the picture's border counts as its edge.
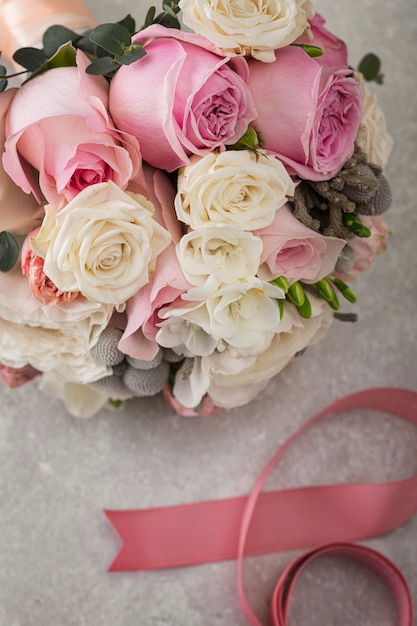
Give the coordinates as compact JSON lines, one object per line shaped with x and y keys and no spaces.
{"x":57,"y":473}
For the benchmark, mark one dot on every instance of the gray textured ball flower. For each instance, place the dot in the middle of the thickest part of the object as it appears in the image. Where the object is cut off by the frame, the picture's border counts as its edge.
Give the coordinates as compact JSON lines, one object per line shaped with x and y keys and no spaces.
{"x":106,"y":351}
{"x":148,"y":382}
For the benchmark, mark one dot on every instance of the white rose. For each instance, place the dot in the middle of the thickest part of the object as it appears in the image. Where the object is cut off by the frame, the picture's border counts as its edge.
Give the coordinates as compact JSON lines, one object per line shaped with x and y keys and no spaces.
{"x":223,"y":251}
{"x":103,"y":243}
{"x":234,"y":187}
{"x":48,"y":349}
{"x":373,"y":138}
{"x":231,"y":378}
{"x":247,"y":27}
{"x":243,"y":315}
{"x":240,"y":388}
{"x":49,"y":337}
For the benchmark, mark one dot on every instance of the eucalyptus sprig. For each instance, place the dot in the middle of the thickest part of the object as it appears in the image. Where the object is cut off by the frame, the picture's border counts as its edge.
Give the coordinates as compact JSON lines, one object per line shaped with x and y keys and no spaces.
{"x":9,"y":251}
{"x":168,"y":16}
{"x":370,"y":68}
{"x":114,"y":48}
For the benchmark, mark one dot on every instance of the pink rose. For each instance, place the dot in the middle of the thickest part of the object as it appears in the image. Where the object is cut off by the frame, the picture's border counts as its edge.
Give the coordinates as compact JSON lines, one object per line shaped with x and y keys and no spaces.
{"x":292,"y":250}
{"x":309,"y":114}
{"x":19,"y":213}
{"x":42,"y":287}
{"x":167,"y":281}
{"x":182,"y":98}
{"x":366,"y":248}
{"x":335,"y":52}
{"x":15,"y":377}
{"x":59,"y":125}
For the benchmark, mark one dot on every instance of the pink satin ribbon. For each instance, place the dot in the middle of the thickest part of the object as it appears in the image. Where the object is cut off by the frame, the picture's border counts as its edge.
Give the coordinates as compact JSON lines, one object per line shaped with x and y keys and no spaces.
{"x":328,"y":516}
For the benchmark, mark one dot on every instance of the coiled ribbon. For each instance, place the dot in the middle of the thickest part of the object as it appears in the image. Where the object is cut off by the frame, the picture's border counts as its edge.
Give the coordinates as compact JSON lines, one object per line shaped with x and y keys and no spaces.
{"x":328,"y":517}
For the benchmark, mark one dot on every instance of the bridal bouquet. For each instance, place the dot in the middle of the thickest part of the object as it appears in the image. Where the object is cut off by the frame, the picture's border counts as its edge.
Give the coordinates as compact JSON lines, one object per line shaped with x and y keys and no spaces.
{"x":183,"y":206}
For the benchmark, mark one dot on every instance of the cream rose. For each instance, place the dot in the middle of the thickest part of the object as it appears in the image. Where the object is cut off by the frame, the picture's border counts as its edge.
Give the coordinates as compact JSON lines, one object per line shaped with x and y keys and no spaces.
{"x":103,"y":243}
{"x":373,"y":138}
{"x":231,"y":378}
{"x":234,"y":187}
{"x":222,"y":251}
{"x":48,"y":349}
{"x":243,"y":315}
{"x":48,"y":337}
{"x":247,"y":27}
{"x":231,"y":390}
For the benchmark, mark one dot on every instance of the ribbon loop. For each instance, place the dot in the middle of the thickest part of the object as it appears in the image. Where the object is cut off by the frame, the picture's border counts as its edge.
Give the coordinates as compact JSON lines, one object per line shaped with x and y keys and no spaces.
{"x":281,"y":520}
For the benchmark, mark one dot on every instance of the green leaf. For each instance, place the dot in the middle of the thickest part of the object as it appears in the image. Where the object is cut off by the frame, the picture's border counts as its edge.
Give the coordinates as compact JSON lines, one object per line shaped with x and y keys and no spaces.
{"x":129,"y":23}
{"x":3,"y":81}
{"x":55,"y":37}
{"x":312,"y":51}
{"x":114,"y":38}
{"x":136,"y":52}
{"x":9,"y":251}
{"x":103,"y":66}
{"x":370,"y":67}
{"x":30,"y":58}
{"x":65,"y":56}
{"x":85,"y":44}
{"x":171,"y":6}
{"x":150,"y":16}
{"x":168,"y":20}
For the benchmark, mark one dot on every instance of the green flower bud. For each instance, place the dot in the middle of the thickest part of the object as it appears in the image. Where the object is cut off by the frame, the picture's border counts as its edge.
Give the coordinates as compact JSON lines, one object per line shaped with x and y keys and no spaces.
{"x":296,"y":294}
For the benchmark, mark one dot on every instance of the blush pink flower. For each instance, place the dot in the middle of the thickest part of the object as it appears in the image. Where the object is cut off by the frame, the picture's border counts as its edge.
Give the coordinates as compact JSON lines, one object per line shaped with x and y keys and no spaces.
{"x":19,"y":212}
{"x":167,"y":281}
{"x":335,"y":52}
{"x":42,"y":287}
{"x":295,"y":251}
{"x":308,"y":113}
{"x":17,"y":376}
{"x":366,"y":248}
{"x":67,"y":136}
{"x":182,"y":98}
{"x":206,"y":408}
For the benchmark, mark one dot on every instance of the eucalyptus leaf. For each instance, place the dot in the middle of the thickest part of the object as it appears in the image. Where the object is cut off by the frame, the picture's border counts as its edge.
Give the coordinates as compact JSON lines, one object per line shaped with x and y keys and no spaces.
{"x":129,"y":23}
{"x":65,"y":56}
{"x":102,"y":66}
{"x":9,"y":251}
{"x":112,"y":37}
{"x":131,"y":56}
{"x":370,"y":67}
{"x":167,"y":20}
{"x":150,"y":16}
{"x":171,"y":6}
{"x":84,"y":43}
{"x":30,"y":58}
{"x":3,"y":85}
{"x":55,"y":36}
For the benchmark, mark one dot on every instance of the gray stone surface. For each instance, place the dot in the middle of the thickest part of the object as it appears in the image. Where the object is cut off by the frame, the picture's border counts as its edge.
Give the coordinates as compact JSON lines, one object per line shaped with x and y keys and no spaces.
{"x":57,"y":473}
